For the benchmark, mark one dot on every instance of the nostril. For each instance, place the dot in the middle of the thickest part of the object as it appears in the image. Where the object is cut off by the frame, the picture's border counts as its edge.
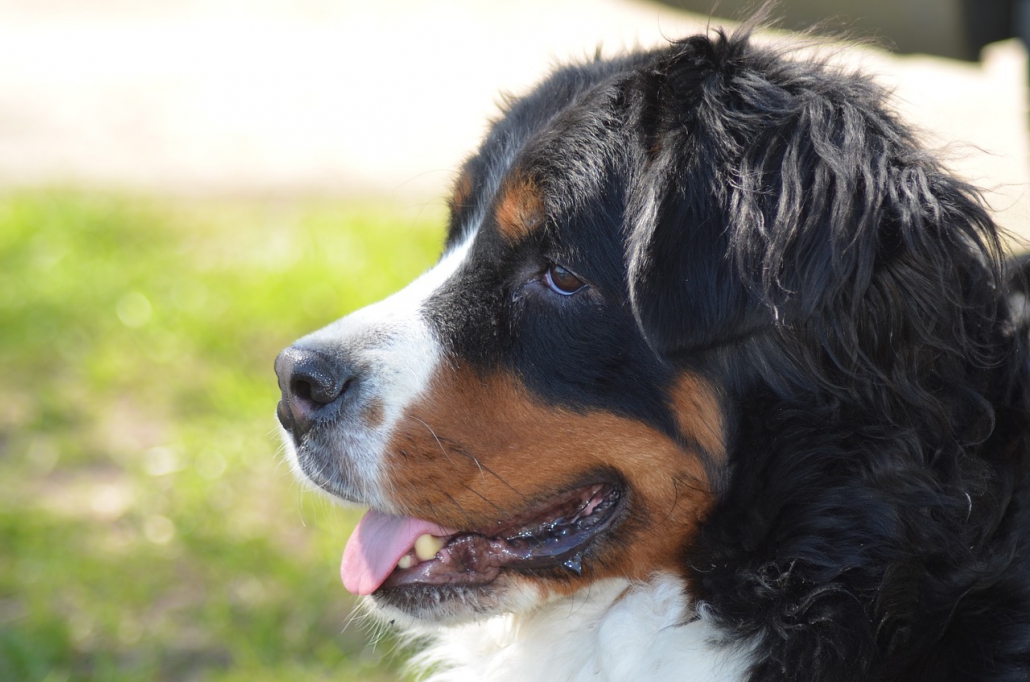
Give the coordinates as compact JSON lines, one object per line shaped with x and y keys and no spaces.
{"x":320,"y":389}
{"x":310,"y":380}
{"x":300,"y":389}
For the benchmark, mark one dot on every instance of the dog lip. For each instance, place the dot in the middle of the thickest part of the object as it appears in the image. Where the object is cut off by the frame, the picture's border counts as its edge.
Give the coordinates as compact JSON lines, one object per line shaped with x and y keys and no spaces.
{"x":550,"y":535}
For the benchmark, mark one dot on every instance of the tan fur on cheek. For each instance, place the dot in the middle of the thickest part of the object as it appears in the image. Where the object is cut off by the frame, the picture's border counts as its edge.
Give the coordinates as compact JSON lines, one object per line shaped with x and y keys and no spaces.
{"x":480,"y":449}
{"x":699,"y":415}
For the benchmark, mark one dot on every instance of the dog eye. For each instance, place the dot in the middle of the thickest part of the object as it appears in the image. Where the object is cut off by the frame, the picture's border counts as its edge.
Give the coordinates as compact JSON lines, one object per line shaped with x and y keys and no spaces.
{"x":562,"y":281}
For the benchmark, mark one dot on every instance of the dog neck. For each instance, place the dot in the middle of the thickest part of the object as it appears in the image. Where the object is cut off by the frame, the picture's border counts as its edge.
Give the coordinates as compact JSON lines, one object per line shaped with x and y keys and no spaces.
{"x":613,"y":630}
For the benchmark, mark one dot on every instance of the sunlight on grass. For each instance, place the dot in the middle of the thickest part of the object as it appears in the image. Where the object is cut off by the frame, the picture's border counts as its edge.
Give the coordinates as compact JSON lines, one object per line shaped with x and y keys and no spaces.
{"x":149,"y":527}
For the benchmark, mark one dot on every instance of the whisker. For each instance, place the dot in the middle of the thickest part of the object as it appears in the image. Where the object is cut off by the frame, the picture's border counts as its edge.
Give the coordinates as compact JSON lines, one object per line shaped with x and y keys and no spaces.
{"x":472,"y":524}
{"x":483,"y":469}
{"x":437,"y":438}
{"x":481,"y":496}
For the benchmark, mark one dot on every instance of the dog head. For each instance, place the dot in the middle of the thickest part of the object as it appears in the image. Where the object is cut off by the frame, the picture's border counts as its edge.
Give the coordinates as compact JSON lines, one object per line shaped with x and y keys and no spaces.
{"x":641,"y":249}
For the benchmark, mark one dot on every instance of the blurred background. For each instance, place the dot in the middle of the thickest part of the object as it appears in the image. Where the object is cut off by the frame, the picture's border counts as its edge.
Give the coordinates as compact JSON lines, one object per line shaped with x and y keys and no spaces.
{"x":186,"y":186}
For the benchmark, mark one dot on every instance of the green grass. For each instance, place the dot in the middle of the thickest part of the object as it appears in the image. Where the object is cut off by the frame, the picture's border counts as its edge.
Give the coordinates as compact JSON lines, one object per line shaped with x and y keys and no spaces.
{"x":149,"y":529}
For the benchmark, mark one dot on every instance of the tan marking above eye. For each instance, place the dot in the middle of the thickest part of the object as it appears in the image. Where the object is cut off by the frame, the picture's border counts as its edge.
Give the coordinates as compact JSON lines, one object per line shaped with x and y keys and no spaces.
{"x":462,"y":191}
{"x":520,"y":209}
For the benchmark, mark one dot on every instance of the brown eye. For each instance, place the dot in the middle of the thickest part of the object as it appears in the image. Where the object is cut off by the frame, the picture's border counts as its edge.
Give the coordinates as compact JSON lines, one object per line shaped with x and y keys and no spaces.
{"x":562,"y":281}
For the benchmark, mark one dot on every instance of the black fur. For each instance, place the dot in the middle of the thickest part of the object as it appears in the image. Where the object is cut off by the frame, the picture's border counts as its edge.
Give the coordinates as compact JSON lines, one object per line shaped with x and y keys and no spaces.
{"x":874,"y":527}
{"x":786,"y":237}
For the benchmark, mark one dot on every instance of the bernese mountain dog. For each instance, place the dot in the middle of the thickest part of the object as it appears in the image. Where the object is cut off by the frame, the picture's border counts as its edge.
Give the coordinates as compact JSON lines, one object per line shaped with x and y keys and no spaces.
{"x":721,"y":376}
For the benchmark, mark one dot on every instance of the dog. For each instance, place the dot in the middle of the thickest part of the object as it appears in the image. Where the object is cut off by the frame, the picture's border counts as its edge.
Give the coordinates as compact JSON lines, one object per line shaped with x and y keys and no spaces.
{"x":720,"y":377}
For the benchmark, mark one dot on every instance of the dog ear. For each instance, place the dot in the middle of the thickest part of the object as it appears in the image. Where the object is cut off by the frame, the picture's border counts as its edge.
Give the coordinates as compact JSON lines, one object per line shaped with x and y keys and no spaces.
{"x":683,"y":285}
{"x":780,"y":194}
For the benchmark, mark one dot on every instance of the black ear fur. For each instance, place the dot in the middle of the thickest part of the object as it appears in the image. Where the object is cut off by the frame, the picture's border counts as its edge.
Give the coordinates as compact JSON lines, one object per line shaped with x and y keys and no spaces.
{"x":789,"y":199}
{"x":684,"y":288}
{"x":789,"y":237}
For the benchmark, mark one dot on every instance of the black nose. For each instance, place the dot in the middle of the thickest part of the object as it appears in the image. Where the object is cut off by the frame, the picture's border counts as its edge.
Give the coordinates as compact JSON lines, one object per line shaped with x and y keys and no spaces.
{"x":310,"y":381}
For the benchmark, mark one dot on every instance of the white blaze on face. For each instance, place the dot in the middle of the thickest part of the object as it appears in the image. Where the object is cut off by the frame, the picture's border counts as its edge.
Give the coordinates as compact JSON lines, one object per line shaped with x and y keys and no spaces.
{"x":394,"y":353}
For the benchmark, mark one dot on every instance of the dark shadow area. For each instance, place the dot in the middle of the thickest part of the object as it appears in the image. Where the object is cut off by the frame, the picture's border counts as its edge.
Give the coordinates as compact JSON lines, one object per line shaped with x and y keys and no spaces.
{"x":949,"y":28}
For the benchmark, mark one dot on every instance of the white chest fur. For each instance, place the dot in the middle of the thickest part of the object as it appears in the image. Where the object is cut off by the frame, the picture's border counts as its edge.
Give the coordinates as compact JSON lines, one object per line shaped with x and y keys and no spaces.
{"x":613,"y":631}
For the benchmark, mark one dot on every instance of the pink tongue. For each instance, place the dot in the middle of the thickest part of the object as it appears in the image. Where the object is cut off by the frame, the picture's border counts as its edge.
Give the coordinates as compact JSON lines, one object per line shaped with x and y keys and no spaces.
{"x":377,"y":544}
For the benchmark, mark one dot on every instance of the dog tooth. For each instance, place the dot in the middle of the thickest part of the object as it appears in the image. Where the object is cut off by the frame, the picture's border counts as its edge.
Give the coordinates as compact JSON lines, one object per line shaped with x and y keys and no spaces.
{"x":406,"y":562}
{"x":426,"y":546}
